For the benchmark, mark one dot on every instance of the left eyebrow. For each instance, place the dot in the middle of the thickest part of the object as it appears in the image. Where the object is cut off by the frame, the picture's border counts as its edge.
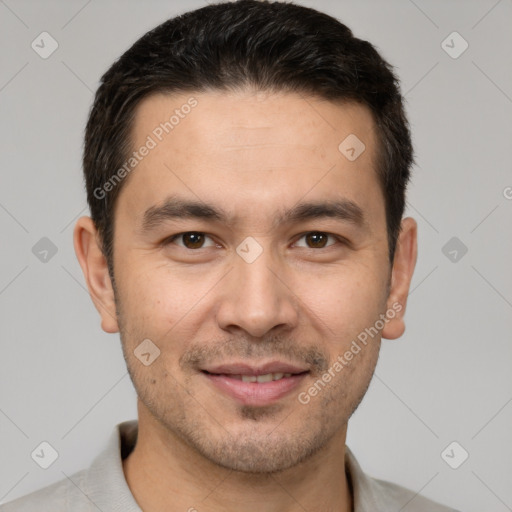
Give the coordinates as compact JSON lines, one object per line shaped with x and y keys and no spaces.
{"x":344,"y":210}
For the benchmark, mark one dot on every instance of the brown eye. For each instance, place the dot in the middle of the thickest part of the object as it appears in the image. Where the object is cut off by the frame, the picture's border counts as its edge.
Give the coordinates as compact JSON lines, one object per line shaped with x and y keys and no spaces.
{"x":191,"y":240}
{"x":316,"y":239}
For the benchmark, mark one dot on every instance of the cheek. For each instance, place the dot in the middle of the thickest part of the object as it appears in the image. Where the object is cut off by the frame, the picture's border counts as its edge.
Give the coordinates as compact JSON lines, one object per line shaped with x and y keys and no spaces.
{"x":346,"y":301}
{"x":147,"y":306}
{"x":161,"y":301}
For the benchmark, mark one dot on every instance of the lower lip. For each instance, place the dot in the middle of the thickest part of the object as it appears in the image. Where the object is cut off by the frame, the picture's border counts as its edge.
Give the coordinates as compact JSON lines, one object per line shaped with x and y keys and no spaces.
{"x":255,"y":393}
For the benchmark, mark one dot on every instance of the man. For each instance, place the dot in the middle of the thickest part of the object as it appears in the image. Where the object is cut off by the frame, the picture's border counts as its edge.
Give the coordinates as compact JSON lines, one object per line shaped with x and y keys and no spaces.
{"x":246,"y":166}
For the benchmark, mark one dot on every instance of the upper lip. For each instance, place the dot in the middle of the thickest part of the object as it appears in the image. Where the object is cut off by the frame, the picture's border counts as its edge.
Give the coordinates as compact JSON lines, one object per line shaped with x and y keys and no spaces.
{"x":253,"y":369}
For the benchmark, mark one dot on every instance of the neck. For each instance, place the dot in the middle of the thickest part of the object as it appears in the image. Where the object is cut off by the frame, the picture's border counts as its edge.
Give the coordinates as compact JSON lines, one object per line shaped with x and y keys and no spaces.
{"x":164,"y":473}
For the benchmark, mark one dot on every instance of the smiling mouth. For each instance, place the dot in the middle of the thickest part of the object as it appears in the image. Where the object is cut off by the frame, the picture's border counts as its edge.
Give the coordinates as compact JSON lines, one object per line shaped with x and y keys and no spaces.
{"x":262,"y":389}
{"x":267,"y":377}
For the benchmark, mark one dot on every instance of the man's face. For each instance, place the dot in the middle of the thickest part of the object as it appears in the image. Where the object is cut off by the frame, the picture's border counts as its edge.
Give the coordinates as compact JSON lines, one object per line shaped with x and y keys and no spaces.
{"x":265,"y":286}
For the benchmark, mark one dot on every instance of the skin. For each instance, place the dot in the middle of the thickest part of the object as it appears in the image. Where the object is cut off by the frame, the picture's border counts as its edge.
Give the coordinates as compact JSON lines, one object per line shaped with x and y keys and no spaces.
{"x":253,"y":155}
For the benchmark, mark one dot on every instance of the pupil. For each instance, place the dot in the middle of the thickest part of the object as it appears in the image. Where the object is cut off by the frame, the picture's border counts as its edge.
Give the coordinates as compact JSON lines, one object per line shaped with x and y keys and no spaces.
{"x":317,"y":239}
{"x":193,"y":240}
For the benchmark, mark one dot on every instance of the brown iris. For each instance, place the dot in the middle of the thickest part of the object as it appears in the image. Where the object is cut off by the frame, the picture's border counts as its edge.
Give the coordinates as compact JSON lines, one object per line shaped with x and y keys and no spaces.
{"x":316,"y":239}
{"x":193,"y":240}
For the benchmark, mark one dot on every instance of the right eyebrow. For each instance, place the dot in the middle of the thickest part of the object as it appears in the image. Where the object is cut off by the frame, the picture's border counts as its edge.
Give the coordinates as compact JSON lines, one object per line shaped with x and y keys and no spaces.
{"x":175,"y":208}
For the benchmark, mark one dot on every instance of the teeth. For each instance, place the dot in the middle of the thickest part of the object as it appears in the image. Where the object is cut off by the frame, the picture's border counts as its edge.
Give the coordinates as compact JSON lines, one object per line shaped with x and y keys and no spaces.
{"x":268,"y":377}
{"x":265,"y":378}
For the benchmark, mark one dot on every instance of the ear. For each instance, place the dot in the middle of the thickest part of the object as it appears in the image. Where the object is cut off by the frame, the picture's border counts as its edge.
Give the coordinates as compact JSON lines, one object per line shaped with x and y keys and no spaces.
{"x":94,"y":266}
{"x":401,"y":276}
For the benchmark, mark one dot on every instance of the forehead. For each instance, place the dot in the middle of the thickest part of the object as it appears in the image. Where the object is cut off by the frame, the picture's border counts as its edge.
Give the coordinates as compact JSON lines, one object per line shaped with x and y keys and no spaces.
{"x":249,"y":150}
{"x":235,"y":121}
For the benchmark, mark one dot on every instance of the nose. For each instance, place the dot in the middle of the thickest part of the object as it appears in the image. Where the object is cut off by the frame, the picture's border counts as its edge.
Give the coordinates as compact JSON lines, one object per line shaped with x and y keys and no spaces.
{"x":256,"y":298}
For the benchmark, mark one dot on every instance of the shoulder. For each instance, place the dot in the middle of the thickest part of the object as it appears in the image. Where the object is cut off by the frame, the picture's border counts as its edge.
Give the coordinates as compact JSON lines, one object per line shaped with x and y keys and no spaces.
{"x":372,"y":494}
{"x":391,"y":495}
{"x":102,"y":486}
{"x":60,"y":495}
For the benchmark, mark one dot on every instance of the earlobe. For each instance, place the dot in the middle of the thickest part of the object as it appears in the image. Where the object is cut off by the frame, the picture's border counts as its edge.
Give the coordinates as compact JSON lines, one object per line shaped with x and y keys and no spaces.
{"x":402,"y":272}
{"x":95,"y":270}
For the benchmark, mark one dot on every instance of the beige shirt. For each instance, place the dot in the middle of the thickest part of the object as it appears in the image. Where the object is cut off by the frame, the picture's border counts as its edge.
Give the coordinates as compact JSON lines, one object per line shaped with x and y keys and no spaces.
{"x":103,"y":488}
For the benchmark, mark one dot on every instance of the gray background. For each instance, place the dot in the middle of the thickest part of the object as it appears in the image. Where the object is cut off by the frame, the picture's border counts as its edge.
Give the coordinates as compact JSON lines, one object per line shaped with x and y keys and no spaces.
{"x":64,"y":381}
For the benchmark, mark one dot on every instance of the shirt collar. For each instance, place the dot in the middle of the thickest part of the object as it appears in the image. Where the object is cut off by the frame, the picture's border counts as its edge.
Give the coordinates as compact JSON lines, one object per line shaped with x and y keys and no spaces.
{"x":105,"y":481}
{"x":364,"y":493}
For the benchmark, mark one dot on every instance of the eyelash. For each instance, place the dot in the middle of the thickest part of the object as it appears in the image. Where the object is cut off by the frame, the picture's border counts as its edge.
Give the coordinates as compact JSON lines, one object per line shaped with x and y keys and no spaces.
{"x":339,"y":239}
